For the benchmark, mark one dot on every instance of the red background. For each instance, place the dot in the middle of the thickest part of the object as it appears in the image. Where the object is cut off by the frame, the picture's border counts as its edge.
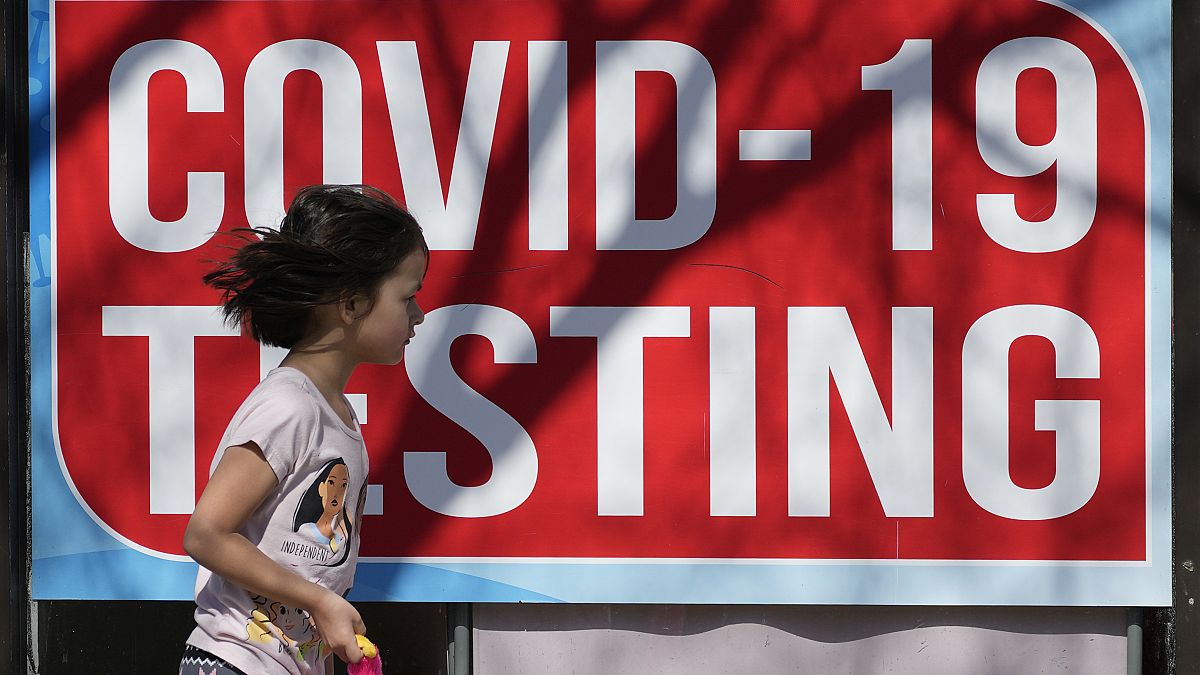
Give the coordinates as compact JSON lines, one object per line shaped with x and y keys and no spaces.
{"x":820,"y":230}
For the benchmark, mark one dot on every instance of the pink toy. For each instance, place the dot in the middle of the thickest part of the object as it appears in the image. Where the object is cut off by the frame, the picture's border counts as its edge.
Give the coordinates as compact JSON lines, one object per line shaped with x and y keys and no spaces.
{"x":372,"y":663}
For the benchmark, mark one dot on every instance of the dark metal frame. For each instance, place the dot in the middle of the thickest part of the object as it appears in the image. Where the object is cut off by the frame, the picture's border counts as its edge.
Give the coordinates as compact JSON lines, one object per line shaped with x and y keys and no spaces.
{"x":1175,"y":645}
{"x":14,"y":195}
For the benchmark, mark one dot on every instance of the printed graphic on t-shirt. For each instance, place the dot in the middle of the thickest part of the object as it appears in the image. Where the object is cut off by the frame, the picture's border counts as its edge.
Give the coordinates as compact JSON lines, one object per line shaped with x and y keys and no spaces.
{"x":323,"y":527}
{"x":292,"y":629}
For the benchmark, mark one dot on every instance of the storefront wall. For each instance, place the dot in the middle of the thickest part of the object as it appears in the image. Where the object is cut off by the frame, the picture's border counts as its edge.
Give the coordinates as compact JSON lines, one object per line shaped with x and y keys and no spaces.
{"x":531,"y":639}
{"x":716,"y":640}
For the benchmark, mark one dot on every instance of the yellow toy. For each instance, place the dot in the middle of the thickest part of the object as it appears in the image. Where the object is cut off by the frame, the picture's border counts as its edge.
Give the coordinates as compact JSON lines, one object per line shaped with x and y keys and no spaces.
{"x":371,"y":663}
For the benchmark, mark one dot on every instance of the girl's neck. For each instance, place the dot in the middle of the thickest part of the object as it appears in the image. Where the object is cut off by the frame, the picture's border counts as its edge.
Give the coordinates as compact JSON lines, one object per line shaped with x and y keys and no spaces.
{"x":328,"y":370}
{"x":323,"y":355}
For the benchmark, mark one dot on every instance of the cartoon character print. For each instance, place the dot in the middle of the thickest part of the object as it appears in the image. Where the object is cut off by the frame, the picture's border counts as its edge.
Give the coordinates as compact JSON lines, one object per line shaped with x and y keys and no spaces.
{"x":259,"y":628}
{"x":322,"y":516}
{"x":292,"y":628}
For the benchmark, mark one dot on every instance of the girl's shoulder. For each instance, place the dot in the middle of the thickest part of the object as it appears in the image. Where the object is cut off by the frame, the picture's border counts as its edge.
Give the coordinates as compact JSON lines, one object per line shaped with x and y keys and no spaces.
{"x":287,"y":384}
{"x":283,"y":393}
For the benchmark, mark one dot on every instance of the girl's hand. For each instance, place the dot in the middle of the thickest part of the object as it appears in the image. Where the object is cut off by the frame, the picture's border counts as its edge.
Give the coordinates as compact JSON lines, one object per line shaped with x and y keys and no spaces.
{"x":338,"y":622}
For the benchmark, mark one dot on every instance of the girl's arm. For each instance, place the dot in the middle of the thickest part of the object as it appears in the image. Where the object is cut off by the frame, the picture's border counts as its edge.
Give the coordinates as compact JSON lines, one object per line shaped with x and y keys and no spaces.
{"x":240,"y":482}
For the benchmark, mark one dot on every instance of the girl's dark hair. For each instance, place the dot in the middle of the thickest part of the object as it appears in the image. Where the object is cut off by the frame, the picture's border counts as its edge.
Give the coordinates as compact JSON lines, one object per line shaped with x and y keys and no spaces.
{"x":310,"y":508}
{"x":336,"y":241}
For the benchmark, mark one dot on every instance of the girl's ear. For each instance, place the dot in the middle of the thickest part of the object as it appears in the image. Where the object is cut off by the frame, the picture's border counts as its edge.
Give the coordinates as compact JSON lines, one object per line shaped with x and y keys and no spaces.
{"x":352,"y":308}
{"x":346,"y":310}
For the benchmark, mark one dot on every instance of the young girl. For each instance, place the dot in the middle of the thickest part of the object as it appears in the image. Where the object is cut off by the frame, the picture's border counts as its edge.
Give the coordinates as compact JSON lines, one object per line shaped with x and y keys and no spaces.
{"x":335,"y":285}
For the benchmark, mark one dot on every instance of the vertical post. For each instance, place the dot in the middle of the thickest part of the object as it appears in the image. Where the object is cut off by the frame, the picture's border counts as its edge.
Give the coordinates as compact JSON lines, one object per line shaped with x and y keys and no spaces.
{"x":14,"y":190}
{"x":1176,"y":629}
{"x":458,"y":649}
{"x":1133,"y":640}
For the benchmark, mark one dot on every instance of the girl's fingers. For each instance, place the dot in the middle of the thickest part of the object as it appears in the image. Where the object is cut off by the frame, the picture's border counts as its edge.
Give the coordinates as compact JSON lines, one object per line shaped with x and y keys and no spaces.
{"x":348,"y":652}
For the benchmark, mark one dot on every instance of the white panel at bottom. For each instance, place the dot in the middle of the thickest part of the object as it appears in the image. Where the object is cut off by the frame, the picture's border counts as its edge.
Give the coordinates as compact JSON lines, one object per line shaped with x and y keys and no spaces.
{"x":718,"y":640}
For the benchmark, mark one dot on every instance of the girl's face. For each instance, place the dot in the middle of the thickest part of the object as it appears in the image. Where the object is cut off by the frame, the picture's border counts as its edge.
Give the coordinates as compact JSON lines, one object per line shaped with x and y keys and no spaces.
{"x":381,"y":335}
{"x":333,"y":489}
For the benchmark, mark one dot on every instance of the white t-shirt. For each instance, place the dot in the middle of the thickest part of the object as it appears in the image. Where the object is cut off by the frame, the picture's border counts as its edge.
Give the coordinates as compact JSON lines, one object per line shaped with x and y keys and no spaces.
{"x":309,"y":525}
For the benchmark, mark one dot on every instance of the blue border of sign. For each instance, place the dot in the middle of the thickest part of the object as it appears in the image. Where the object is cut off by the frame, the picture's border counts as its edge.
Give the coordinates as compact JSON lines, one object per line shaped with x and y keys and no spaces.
{"x":74,"y":558}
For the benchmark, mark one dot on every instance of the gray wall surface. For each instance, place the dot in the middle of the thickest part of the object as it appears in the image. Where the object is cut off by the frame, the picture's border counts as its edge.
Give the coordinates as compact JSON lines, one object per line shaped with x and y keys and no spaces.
{"x":718,"y":640}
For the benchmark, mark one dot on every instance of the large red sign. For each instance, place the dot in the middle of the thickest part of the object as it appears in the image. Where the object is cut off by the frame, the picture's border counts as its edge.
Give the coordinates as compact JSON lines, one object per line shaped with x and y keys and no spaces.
{"x":790,"y":279}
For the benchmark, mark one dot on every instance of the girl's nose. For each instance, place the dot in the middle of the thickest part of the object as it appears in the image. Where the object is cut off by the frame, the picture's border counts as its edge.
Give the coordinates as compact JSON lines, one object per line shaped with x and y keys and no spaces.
{"x":420,"y":316}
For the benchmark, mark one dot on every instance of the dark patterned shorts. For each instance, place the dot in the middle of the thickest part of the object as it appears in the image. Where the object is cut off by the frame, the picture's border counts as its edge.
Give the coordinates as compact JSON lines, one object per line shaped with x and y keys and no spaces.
{"x":196,"y":661}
